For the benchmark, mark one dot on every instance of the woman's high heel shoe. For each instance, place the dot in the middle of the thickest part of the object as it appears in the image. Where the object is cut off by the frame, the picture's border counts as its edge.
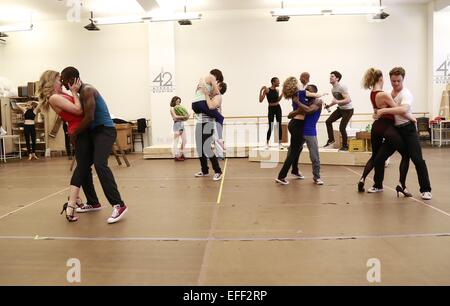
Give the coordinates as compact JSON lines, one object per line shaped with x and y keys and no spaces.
{"x":404,"y":191}
{"x":361,"y":186}
{"x":70,"y":217}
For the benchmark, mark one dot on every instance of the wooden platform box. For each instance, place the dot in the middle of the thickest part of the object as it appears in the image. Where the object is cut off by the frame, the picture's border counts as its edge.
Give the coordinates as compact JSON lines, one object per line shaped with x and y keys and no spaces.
{"x":123,"y":139}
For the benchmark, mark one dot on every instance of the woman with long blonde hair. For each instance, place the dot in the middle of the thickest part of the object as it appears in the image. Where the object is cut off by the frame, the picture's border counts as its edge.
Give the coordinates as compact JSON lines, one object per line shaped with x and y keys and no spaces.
{"x":70,"y":110}
{"x":296,"y":127}
{"x":383,"y":130}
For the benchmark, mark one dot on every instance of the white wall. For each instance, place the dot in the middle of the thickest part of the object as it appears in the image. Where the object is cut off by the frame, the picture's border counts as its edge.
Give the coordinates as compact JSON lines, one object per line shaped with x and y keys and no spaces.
{"x":250,"y":48}
{"x":115,"y":60}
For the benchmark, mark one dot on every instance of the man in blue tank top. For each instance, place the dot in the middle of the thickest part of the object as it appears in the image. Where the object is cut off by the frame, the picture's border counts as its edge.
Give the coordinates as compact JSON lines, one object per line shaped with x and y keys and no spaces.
{"x":94,"y":139}
{"x":312,"y":109}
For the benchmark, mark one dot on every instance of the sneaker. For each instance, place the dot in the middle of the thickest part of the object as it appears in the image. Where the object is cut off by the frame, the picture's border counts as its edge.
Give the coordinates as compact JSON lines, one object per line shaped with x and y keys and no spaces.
{"x":117,"y":213}
{"x":201,"y":174}
{"x":178,"y":158}
{"x":88,"y":208}
{"x":343,"y":149}
{"x":426,"y":195}
{"x":318,"y":181}
{"x":374,"y":190}
{"x":298,"y":176}
{"x":329,"y":144}
{"x":217,"y":177}
{"x":282,"y":181}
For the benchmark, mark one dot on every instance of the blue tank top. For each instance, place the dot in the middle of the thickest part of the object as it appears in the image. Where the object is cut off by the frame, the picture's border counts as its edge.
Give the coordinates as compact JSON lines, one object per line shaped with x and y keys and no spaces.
{"x":101,"y":115}
{"x":302,"y":98}
{"x":311,"y":123}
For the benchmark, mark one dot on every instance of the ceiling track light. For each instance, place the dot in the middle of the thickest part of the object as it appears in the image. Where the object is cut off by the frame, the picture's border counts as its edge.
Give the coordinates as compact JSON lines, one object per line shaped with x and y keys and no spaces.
{"x":377,"y":12}
{"x":381,"y":15}
{"x":92,"y":26}
{"x":16,"y":28}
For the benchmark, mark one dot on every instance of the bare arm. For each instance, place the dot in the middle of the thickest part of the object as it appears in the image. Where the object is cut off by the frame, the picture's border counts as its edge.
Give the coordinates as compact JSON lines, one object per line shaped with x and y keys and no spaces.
{"x":262,"y":93}
{"x":88,"y":96}
{"x":63,"y":104}
{"x":22,"y":108}
{"x":315,"y":95}
{"x":213,"y":82}
{"x":213,"y":103}
{"x":38,"y":108}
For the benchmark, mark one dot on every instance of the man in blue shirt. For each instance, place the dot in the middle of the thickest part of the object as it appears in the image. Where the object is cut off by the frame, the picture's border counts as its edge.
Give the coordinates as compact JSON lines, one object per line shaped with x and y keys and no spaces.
{"x":312,"y":108}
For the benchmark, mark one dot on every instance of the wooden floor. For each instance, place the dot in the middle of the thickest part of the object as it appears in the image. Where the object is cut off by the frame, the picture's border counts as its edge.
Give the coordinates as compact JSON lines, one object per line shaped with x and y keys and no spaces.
{"x":261,"y":233}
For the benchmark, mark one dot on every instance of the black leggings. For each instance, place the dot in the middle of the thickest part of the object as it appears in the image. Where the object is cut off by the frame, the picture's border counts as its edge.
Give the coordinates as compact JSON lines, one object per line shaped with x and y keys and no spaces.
{"x":385,"y":129}
{"x":30,"y":132}
{"x":93,"y":148}
{"x":275,"y":111}
{"x":410,"y":137}
{"x":296,"y":128}
{"x":203,"y":140}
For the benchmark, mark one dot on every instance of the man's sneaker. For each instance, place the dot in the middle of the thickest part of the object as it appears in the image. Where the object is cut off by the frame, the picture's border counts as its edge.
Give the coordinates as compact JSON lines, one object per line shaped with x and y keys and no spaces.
{"x":374,"y":190}
{"x":117,"y":213}
{"x":329,"y":145}
{"x":88,"y":208}
{"x":426,"y":195}
{"x":343,"y":149}
{"x":282,"y":181}
{"x":298,"y":176}
{"x":318,"y":181}
{"x":201,"y":174}
{"x":217,"y":177}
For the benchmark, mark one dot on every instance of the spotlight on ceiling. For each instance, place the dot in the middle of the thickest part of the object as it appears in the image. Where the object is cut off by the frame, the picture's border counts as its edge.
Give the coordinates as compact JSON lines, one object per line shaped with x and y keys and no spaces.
{"x":92,"y":26}
{"x":382,"y":15}
{"x":185,"y":22}
{"x":283,"y":18}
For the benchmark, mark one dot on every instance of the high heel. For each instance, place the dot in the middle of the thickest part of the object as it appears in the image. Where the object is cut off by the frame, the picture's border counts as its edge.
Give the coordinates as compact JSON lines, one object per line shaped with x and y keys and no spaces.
{"x":69,"y":217}
{"x":361,"y":186}
{"x":404,"y":191}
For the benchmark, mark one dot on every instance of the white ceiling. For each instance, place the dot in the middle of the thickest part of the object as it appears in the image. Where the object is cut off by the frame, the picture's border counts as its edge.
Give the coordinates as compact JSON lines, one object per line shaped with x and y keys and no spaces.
{"x":57,"y":9}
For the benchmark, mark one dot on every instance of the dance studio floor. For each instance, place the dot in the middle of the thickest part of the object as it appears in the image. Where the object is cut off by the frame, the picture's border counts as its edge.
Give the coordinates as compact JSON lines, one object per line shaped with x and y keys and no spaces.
{"x":182,"y":230}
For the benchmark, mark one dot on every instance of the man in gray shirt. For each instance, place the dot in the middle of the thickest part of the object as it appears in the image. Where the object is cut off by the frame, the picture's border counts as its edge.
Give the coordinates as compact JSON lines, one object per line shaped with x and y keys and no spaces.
{"x":341,"y":98}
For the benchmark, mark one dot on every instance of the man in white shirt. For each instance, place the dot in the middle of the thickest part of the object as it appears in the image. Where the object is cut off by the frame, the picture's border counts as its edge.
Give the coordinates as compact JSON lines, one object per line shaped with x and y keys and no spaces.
{"x":407,"y":129}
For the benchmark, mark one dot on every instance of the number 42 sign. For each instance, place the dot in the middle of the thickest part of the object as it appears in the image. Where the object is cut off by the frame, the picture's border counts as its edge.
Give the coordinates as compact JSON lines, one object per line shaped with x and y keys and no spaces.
{"x":163,"y":82}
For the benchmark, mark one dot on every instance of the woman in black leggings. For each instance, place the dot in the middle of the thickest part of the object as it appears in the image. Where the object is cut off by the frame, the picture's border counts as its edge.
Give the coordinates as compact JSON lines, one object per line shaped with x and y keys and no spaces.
{"x":274,"y":98}
{"x":29,"y":114}
{"x":383,"y":129}
{"x":296,"y":127}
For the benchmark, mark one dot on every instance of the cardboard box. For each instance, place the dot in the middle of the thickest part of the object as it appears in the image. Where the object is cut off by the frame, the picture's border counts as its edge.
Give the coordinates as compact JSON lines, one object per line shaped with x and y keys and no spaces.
{"x":32,"y":86}
{"x":22,"y":91}
{"x":356,"y":145}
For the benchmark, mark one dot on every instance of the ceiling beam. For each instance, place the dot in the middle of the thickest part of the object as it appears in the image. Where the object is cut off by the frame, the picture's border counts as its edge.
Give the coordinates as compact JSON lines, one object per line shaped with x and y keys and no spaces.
{"x":441,"y":4}
{"x":148,"y":5}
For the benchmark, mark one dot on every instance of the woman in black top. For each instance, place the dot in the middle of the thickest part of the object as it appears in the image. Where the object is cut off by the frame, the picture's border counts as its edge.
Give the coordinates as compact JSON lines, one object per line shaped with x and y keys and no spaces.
{"x":29,"y":115}
{"x":274,"y":98}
